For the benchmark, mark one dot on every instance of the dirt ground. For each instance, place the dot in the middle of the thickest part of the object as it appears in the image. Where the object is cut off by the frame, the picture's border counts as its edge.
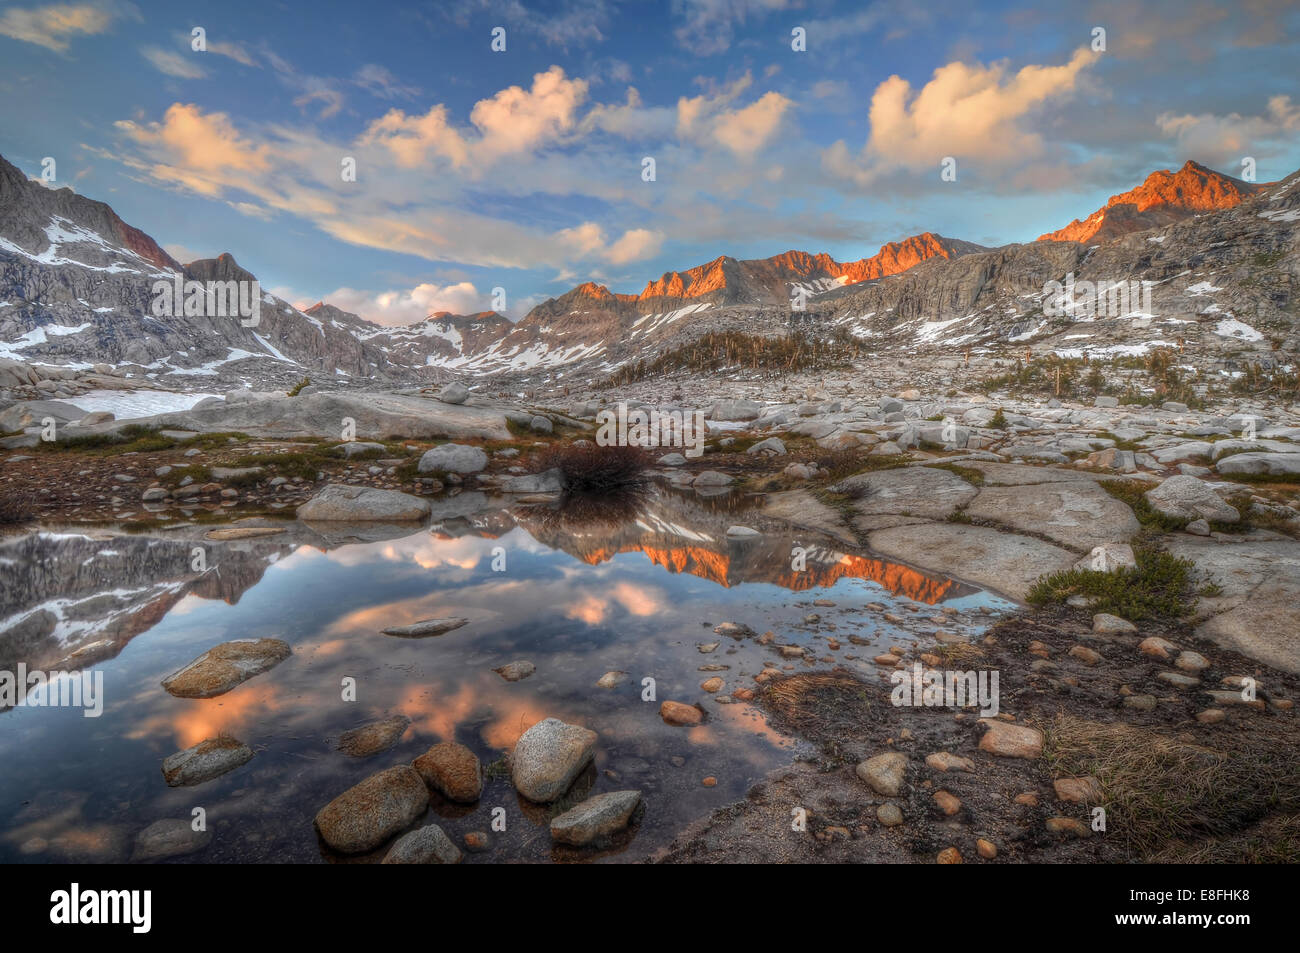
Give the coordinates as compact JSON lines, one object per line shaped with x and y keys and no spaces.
{"x":1172,"y":787}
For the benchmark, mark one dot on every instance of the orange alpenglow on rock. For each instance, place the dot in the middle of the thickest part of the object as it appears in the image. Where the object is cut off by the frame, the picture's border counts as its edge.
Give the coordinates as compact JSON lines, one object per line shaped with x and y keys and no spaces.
{"x":1165,"y":197}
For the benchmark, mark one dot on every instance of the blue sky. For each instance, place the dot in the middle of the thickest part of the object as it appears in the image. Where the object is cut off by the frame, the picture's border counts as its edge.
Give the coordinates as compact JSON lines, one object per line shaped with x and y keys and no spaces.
{"x":522,"y":169}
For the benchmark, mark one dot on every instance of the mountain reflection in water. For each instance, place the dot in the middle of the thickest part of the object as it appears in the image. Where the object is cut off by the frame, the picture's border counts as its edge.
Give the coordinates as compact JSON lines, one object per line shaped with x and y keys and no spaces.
{"x":577,"y":598}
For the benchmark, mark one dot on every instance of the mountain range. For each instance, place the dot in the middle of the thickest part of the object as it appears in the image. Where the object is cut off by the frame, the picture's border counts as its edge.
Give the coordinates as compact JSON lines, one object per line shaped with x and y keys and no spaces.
{"x":1220,"y":257}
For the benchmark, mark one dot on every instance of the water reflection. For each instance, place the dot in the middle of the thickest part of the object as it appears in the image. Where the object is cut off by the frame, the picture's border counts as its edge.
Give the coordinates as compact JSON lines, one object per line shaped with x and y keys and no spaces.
{"x":578,"y":595}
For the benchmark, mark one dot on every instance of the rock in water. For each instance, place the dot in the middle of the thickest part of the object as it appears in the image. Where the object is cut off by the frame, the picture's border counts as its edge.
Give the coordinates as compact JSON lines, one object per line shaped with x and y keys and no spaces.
{"x":420,"y":630}
{"x":453,"y":458}
{"x":221,"y":668}
{"x":374,"y":737}
{"x":516,"y":671}
{"x":364,"y":816}
{"x":595,"y":817}
{"x":453,"y":771}
{"x":428,"y":845}
{"x":171,"y":837}
{"x":359,"y":504}
{"x":548,"y":757}
{"x":205,"y":761}
{"x":679,"y":713}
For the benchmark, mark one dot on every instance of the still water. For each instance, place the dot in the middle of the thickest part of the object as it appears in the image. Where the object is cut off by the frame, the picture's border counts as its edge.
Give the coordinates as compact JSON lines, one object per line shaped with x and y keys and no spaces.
{"x":577,"y":598}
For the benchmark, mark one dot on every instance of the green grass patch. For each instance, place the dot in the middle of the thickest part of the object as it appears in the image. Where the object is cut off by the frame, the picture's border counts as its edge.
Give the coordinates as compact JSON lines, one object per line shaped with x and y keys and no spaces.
{"x":1159,"y":588}
{"x":969,"y":474}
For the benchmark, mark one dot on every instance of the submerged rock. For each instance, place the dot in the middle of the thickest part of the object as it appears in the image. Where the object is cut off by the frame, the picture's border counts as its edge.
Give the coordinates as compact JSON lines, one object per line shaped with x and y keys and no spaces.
{"x":516,"y":671}
{"x":428,"y":845}
{"x":171,"y":837}
{"x":374,"y":737}
{"x":204,"y":761}
{"x":595,"y":818}
{"x":677,"y":713}
{"x":426,"y":628}
{"x":366,"y":815}
{"x":548,"y":757}
{"x":222,"y":667}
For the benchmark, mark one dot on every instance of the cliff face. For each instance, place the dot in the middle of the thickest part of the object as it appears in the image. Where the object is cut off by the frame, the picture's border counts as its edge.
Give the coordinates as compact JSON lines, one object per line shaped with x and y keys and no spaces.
{"x":1164,"y":197}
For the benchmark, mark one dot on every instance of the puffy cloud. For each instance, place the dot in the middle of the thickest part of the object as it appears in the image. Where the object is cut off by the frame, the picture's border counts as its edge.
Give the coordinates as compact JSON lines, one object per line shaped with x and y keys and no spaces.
{"x":204,"y":148}
{"x":512,"y":122}
{"x":709,"y":119}
{"x":52,"y":26}
{"x":1224,"y":140}
{"x":970,"y":111}
{"x":589,"y":240}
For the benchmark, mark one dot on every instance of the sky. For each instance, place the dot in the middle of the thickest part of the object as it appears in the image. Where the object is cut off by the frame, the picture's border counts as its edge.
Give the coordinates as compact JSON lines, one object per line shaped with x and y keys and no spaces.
{"x":531,"y":146}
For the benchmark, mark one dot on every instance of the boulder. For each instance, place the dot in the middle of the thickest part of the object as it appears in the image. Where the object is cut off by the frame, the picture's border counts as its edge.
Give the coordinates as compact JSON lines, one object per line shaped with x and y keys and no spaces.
{"x":359,"y":504}
{"x":205,"y":761}
{"x":548,"y":757}
{"x":454,"y":393}
{"x":428,"y":845}
{"x":594,"y":818}
{"x":170,"y":837}
{"x":453,"y":771}
{"x":1186,"y":497}
{"x":366,"y":815}
{"x":221,"y":668}
{"x":453,"y":458}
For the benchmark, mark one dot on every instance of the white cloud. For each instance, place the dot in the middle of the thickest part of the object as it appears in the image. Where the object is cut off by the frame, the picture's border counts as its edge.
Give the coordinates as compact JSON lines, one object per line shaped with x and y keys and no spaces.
{"x":53,"y":26}
{"x":1224,"y":140}
{"x":173,"y":63}
{"x":974,"y":113}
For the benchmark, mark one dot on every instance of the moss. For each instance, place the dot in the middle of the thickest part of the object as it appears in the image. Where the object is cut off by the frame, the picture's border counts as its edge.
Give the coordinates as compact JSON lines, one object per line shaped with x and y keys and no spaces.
{"x":969,"y":474}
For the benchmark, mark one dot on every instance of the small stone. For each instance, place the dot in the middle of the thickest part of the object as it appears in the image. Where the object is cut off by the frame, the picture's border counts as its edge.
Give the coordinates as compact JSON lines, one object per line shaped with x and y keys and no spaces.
{"x":476,"y":841}
{"x":611,"y":679}
{"x":1086,"y":790}
{"x":1192,"y":662}
{"x":884,"y":773}
{"x":949,"y":803}
{"x":1140,"y":702}
{"x":516,"y":671}
{"x":1156,"y":647}
{"x":889,"y":814}
{"x":1068,"y":825}
{"x":1105,"y":624}
{"x":947,"y":761}
{"x":677,"y":713}
{"x":949,"y":855}
{"x":710,"y":782}
{"x":1029,"y":799}
{"x":1085,"y":655}
{"x":1010,"y":741}
{"x":711,"y":685}
{"x":1211,"y":716}
{"x":986,"y":849}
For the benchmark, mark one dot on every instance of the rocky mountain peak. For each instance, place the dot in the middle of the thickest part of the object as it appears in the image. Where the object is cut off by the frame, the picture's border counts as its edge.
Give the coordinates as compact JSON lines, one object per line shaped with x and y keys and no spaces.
{"x":1162,"y":198}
